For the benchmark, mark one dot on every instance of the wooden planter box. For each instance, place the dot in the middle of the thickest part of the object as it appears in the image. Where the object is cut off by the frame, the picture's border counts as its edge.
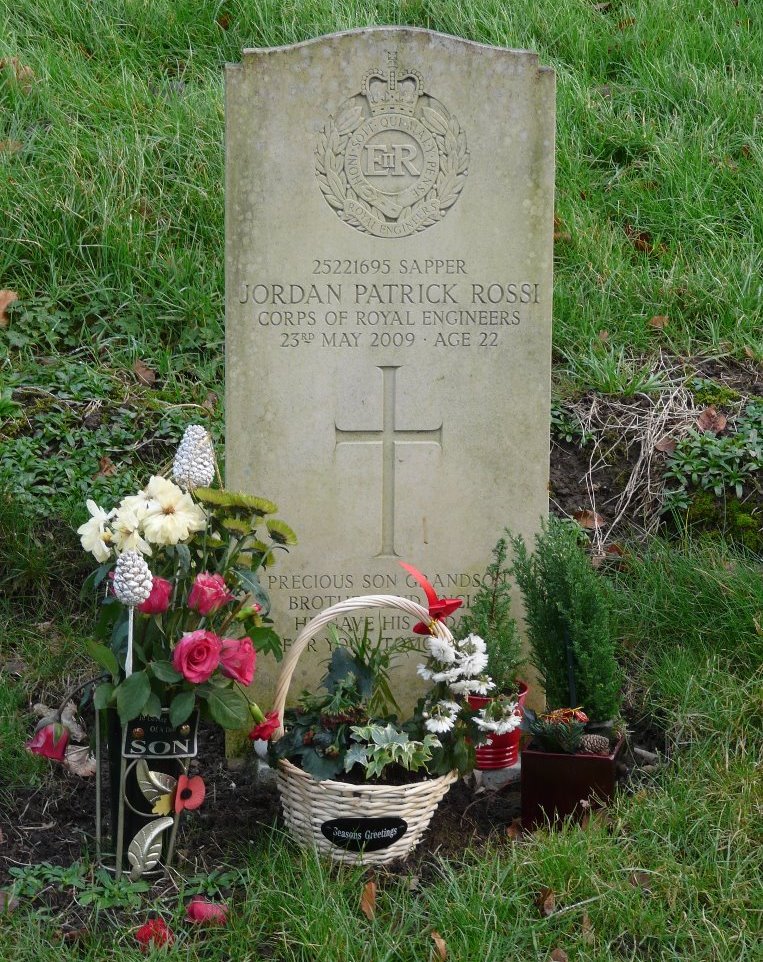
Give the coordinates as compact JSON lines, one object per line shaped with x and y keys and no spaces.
{"x":554,"y":784}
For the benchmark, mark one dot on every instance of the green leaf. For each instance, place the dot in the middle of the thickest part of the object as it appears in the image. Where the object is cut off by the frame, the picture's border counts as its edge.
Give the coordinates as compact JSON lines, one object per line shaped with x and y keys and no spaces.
{"x":184,"y":556}
{"x":267,"y":641}
{"x":320,"y":766}
{"x":251,"y":584}
{"x":153,"y":706}
{"x":164,"y":671}
{"x":132,"y":695}
{"x":103,"y":656}
{"x":181,"y":707}
{"x":103,"y":695}
{"x":229,"y":708}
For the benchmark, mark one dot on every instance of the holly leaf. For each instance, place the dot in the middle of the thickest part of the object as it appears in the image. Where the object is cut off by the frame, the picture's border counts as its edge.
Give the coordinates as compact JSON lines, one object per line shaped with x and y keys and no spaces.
{"x":132,"y":696}
{"x":229,"y":708}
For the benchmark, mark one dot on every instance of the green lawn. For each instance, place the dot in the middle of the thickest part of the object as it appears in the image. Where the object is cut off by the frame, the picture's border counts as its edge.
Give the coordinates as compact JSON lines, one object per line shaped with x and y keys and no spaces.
{"x":111,"y":233}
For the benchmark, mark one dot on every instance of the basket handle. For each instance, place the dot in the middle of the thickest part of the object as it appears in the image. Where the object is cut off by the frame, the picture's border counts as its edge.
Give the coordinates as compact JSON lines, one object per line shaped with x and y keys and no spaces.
{"x":311,"y":629}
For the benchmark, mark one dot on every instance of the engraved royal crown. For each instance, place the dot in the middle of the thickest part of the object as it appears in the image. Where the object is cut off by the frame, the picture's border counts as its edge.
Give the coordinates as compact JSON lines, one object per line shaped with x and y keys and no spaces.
{"x":394,"y":90}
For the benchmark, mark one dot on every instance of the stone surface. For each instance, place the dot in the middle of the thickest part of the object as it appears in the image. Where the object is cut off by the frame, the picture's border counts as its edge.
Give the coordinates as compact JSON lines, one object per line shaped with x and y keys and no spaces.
{"x":389,"y":210}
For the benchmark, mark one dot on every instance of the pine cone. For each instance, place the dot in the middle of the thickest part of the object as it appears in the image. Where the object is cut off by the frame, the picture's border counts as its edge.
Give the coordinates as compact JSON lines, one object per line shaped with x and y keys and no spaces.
{"x":194,"y":465}
{"x":595,"y":744}
{"x":132,"y":579}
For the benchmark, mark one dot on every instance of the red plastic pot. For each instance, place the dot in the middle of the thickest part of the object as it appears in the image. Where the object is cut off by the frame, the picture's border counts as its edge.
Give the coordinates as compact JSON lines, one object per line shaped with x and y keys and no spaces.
{"x":555,"y":784}
{"x":500,"y":751}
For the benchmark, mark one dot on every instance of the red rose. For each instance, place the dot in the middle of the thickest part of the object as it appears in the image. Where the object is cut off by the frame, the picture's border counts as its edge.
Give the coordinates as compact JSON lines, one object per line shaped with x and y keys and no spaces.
{"x":237,"y":659}
{"x":197,"y":655}
{"x":50,"y":741}
{"x":159,"y":599}
{"x":266,"y":728}
{"x":155,"y":932}
{"x":200,"y":909}
{"x":209,"y":592}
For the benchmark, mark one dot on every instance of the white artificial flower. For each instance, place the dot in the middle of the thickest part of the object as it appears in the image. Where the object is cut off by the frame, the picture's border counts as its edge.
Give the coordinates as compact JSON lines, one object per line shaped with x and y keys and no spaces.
{"x":127,"y":536}
{"x":472,"y":686}
{"x":94,"y":535}
{"x":501,"y":726}
{"x":138,"y":503}
{"x":449,"y":674}
{"x":425,"y":673}
{"x":442,"y":650}
{"x":473,"y":665}
{"x":172,"y":515}
{"x":442,"y":716}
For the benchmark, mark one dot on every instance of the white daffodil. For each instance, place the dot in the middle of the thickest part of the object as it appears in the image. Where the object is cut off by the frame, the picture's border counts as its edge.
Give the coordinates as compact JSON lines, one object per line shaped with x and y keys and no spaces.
{"x":127,"y":536}
{"x":172,"y":515}
{"x":95,"y":537}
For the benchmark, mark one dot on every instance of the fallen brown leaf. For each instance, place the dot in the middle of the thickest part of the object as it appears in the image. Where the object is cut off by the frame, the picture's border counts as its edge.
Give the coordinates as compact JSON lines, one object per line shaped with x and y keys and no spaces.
{"x":749,"y":351}
{"x":144,"y":373}
{"x":223,"y":21}
{"x":642,"y":880}
{"x":514,"y":831}
{"x":604,"y":336}
{"x":666,"y":444}
{"x":589,"y":519}
{"x":23,"y":74}
{"x":711,"y":421}
{"x":6,"y":299}
{"x":558,"y":955}
{"x":79,"y":761}
{"x":440,"y":948}
{"x":586,"y":929}
{"x":11,"y":146}
{"x":210,"y":402}
{"x":368,"y":901}
{"x":659,"y":322}
{"x":69,"y":720}
{"x":106,"y":468}
{"x":546,"y":902}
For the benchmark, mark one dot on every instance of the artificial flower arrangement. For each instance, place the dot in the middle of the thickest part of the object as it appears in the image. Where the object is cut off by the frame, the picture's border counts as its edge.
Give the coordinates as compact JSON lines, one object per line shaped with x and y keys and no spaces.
{"x":184,"y":613}
{"x":352,"y":732}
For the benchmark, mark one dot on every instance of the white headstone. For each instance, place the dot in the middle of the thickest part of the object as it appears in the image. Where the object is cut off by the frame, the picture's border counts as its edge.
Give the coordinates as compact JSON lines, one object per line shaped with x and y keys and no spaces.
{"x":389,"y":212}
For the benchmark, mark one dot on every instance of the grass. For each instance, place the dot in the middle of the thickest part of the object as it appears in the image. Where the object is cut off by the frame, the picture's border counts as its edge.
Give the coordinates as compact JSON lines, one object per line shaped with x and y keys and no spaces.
{"x":111,"y":193}
{"x":672,"y":872}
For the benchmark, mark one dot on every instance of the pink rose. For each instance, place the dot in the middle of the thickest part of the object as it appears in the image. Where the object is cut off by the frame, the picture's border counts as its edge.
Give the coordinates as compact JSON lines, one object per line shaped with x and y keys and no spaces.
{"x":50,"y":741}
{"x":202,"y":910}
{"x":197,"y":655}
{"x":237,"y":659}
{"x":266,"y":728}
{"x":159,"y":599}
{"x":209,"y":592}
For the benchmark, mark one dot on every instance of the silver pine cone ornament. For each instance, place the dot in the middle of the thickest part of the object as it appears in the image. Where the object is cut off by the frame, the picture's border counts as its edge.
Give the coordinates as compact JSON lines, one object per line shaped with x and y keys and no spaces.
{"x":194,"y":465}
{"x":595,"y":744}
{"x":132,"y":579}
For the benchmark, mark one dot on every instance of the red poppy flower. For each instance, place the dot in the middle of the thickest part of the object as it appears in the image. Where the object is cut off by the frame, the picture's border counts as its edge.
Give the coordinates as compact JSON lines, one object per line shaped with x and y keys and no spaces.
{"x":201,"y":910}
{"x":155,"y":932}
{"x":50,"y":741}
{"x":190,"y":792}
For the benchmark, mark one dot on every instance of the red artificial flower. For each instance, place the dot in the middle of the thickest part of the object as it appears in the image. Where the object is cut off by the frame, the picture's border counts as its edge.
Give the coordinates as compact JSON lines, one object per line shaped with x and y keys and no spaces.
{"x":159,"y":599}
{"x":237,"y":659}
{"x":190,"y":792}
{"x":50,"y":741}
{"x":266,"y":728}
{"x":197,"y":655}
{"x":155,"y":932}
{"x":439,"y":608}
{"x":209,"y":592}
{"x":201,"y":910}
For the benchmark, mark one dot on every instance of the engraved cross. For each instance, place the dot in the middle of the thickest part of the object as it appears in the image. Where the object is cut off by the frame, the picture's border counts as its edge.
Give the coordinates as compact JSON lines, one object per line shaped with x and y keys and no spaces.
{"x":389,"y":437}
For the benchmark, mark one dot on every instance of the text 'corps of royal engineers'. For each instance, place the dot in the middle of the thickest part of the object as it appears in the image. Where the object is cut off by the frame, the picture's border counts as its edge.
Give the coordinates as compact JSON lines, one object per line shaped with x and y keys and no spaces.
{"x":358,"y":306}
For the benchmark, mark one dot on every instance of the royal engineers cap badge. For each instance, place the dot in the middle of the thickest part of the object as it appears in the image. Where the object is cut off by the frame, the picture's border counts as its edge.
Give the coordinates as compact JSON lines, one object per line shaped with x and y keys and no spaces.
{"x":394,"y":160}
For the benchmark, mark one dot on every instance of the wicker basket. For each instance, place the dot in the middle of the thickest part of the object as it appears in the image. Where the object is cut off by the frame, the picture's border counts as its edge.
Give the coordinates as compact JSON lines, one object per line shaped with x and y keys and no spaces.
{"x":334,"y":816}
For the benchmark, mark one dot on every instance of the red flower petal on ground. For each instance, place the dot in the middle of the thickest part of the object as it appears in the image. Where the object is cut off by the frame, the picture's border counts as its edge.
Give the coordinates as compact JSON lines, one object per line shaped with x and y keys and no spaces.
{"x":201,"y":910}
{"x":155,"y":932}
{"x":266,"y":728}
{"x":189,"y":793}
{"x":50,"y":742}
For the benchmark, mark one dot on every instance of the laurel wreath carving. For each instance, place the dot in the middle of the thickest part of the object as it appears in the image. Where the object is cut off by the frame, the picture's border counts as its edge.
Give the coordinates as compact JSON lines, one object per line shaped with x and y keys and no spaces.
{"x":336,"y":189}
{"x":146,"y":847}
